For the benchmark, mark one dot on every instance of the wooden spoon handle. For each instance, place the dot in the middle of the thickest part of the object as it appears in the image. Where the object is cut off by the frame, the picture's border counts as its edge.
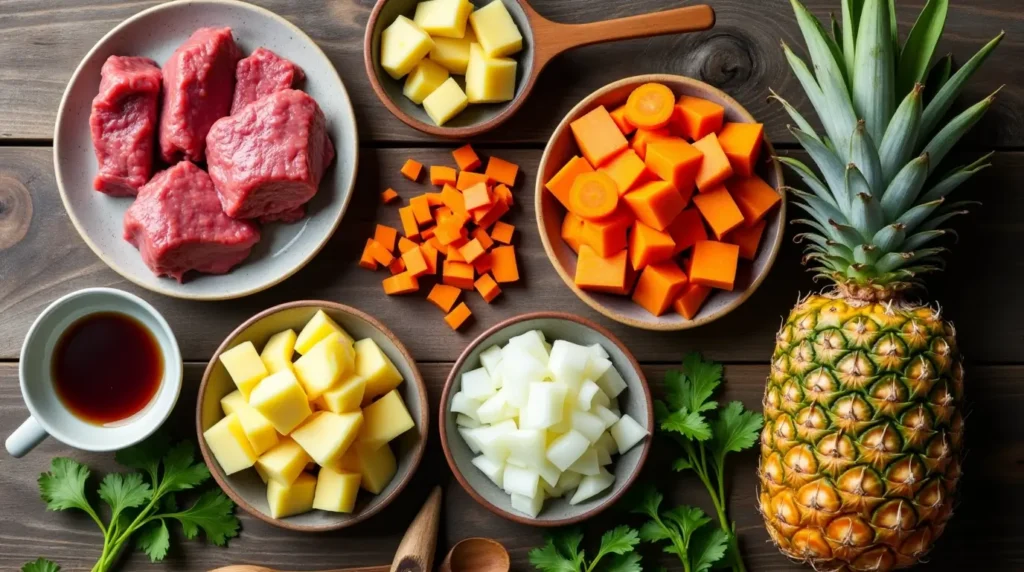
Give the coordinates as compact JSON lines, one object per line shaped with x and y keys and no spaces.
{"x":416,"y":551}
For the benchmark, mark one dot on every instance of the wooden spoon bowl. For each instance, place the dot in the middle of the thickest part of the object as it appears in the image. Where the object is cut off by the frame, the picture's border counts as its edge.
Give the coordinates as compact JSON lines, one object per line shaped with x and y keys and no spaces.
{"x":542,"y":41}
{"x":477,"y":555}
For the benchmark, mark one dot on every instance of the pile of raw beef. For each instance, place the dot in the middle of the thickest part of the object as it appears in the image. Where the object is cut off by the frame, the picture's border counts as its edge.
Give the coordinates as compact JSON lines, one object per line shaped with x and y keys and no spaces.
{"x":265,"y":147}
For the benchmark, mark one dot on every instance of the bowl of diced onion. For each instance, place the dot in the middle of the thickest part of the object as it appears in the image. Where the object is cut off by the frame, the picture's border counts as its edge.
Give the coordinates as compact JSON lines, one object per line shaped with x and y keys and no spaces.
{"x":546,"y":419}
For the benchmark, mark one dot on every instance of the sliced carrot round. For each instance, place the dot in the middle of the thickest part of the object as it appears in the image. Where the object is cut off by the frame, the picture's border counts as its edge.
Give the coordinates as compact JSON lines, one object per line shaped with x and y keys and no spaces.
{"x":593,"y":196}
{"x":650,"y":106}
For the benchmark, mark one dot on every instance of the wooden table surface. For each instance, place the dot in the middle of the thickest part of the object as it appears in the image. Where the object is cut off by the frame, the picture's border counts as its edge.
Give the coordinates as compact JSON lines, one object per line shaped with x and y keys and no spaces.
{"x":42,"y":258}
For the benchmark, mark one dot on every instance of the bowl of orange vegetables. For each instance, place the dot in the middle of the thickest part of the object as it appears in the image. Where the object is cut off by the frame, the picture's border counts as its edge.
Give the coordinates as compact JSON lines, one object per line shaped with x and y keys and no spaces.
{"x":659,"y":202}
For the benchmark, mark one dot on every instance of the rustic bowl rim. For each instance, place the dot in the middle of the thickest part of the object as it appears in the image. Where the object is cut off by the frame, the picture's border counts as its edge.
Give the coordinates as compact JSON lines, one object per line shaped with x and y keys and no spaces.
{"x":607,"y":501}
{"x":423,"y":422}
{"x":655,"y":323}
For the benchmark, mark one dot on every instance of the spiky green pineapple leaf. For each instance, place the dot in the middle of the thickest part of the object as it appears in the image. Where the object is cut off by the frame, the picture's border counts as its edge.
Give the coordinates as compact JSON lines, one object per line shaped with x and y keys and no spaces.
{"x":916,"y":56}
{"x":873,"y":88}
{"x":939,"y":105}
{"x":938,"y":76}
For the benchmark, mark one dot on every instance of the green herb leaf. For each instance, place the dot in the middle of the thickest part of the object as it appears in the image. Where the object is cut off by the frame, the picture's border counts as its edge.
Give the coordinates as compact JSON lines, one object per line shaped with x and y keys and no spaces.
{"x":646,"y":500}
{"x":180,"y":473}
{"x":653,"y":532}
{"x":619,"y":540}
{"x":40,"y":565}
{"x":687,"y":518}
{"x":568,"y":541}
{"x":145,"y":456}
{"x":735,"y":429}
{"x":688,"y":424}
{"x":154,"y":539}
{"x":624,"y":563}
{"x":124,"y":490}
{"x":707,"y":546}
{"x":64,"y":486}
{"x":692,"y":388}
{"x":213,"y":512}
{"x":920,"y":45}
{"x":680,"y":465}
{"x":549,"y":559}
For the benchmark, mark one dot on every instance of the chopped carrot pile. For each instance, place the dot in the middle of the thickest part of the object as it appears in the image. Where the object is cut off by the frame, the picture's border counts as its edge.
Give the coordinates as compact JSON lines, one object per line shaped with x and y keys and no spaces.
{"x":466,"y":158}
{"x":632,"y":215}
{"x":458,"y":316}
{"x":411,"y":169}
{"x":502,"y":232}
{"x":388,"y":196}
{"x":444,"y":296}
{"x":441,"y":175}
{"x":487,"y":287}
{"x":501,"y":171}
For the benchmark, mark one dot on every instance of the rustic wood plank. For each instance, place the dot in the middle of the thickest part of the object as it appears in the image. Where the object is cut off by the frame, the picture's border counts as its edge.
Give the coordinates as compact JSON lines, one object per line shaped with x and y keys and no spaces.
{"x":43,"y":41}
{"x":979,"y":290}
{"x":985,"y":535}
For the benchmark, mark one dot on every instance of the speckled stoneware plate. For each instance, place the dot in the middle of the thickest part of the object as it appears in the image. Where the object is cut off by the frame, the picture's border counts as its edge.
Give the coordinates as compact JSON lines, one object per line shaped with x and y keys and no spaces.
{"x":156,"y":33}
{"x":635,"y":401}
{"x":245,"y":487}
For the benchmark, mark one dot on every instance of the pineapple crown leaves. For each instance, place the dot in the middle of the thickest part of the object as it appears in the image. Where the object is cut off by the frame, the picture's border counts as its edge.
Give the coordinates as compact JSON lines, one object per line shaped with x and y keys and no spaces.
{"x":879,"y":199}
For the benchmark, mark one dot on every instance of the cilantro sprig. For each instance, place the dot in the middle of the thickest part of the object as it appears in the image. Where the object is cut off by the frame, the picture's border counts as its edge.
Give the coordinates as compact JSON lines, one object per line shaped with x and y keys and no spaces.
{"x":142,"y":503}
{"x":562,"y":552}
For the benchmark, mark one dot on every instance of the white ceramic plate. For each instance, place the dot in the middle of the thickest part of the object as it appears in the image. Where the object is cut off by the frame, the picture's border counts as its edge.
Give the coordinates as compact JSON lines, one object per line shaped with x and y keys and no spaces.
{"x":156,"y":33}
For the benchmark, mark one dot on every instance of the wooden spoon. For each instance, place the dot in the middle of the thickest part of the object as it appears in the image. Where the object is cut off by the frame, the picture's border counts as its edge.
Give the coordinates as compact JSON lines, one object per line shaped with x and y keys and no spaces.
{"x":477,"y":555}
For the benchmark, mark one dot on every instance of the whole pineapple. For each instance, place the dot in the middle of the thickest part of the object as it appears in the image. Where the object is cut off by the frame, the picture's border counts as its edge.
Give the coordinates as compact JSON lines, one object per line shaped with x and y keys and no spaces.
{"x":860,"y":453}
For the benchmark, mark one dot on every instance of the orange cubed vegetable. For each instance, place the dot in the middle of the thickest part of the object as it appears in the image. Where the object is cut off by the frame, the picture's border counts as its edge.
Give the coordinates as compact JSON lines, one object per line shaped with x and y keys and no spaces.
{"x":597,"y":136}
{"x":434,"y":199}
{"x":454,"y":255}
{"x":601,"y":273}
{"x":409,"y":224}
{"x":593,"y":196}
{"x":472,"y":250}
{"x":466,"y":158}
{"x":441,"y":248}
{"x":405,"y":245}
{"x":627,"y":169}
{"x":484,"y":238}
{"x":428,"y":233}
{"x":742,"y":145}
{"x":458,"y":316}
{"x":504,"y":266}
{"x":656,"y":203}
{"x":380,"y":253}
{"x":690,"y":300}
{"x":714,"y":264}
{"x":694,"y":117}
{"x":648,"y":246}
{"x":676,"y":162}
{"x":478,"y":196}
{"x":444,"y":296}
{"x":484,"y":218}
{"x":483,"y":263}
{"x":572,"y":231}
{"x":718,"y":208}
{"x":644,"y":137}
{"x":448,"y":232}
{"x":411,"y":169}
{"x":402,"y":283}
{"x":415,"y":263}
{"x":715,"y":168}
{"x":502,"y":232}
{"x":687,"y":229}
{"x":659,"y":285}
{"x":650,"y":106}
{"x":606,"y":237}
{"x":453,"y":199}
{"x":504,"y":193}
{"x":430,"y":257}
{"x":748,"y":238}
{"x":501,"y":171}
{"x":468,"y":178}
{"x":389,"y":196}
{"x":458,"y":274}
{"x":619,"y":117}
{"x":442,"y":175}
{"x":487,"y":287}
{"x":367,"y":260}
{"x":421,"y":209}
{"x":386,"y":235}
{"x":753,"y":196}
{"x":561,"y":183}
{"x":397,"y":266}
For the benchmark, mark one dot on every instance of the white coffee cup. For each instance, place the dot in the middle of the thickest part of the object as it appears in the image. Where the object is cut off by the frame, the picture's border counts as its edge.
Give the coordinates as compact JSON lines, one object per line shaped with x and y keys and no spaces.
{"x":48,"y":414}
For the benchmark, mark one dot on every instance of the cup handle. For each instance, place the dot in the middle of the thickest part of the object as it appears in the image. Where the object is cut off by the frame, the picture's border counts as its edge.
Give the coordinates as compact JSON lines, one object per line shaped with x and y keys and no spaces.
{"x":25,"y":438}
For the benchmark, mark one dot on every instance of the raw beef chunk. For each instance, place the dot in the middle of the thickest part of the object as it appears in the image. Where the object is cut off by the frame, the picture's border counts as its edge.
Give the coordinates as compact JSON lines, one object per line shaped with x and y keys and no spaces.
{"x":262,"y":73}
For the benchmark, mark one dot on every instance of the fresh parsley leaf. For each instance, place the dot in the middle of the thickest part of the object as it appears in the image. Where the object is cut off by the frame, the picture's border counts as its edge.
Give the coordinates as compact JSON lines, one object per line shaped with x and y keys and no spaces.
{"x":680,"y":465}
{"x":689,"y":424}
{"x":619,"y":540}
{"x":735,"y":429}
{"x":213,"y":512}
{"x":561,"y":552}
{"x":40,"y":565}
{"x":624,"y":563}
{"x":707,"y":547}
{"x":692,"y":388}
{"x":154,"y":539}
{"x":646,"y":500}
{"x":180,"y":473}
{"x":549,"y":559}
{"x":124,"y":490}
{"x":687,"y":519}
{"x":567,"y":541}
{"x":146,"y":455}
{"x":652,"y":531}
{"x":64,"y":486}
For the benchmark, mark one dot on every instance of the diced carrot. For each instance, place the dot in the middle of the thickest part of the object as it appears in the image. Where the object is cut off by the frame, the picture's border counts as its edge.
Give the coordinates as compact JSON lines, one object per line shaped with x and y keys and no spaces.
{"x":468,"y":178}
{"x":397,"y":266}
{"x":627,"y":169}
{"x":454,"y":255}
{"x":458,"y":316}
{"x":501,"y":171}
{"x":430,"y":257}
{"x":714,"y":264}
{"x":366,"y":260}
{"x":561,"y":183}
{"x":486,"y":219}
{"x":572,"y":231}
{"x":453,"y":199}
{"x":608,"y":236}
{"x":687,"y":229}
{"x":466,"y":158}
{"x":753,"y":196}
{"x":405,"y":245}
{"x":442,"y":175}
{"x":676,"y":162}
{"x":601,"y":273}
{"x":742,"y":145}
{"x":458,"y":274}
{"x":748,"y":238}
{"x":415,"y":263}
{"x":645,"y":137}
{"x":650,"y":106}
{"x":400,"y":284}
{"x":409,"y":224}
{"x":443,"y":213}
{"x":421,"y":209}
{"x":656,"y":203}
{"x":411,"y":169}
{"x":472,"y":250}
{"x":593,"y":196}
{"x":434,"y":242}
{"x":386,"y":235}
{"x":389,"y":196}
{"x":502,"y":232}
{"x":648,"y":246}
{"x":434,"y":199}
{"x":659,"y":285}
{"x":483,"y":263}
{"x":718,"y":208}
{"x":505,"y":268}
{"x":504,"y":193}
{"x":619,"y":117}
{"x":597,"y":136}
{"x":694,"y":117}
{"x":690,"y":300}
{"x":484,"y":238}
{"x":478,"y":196}
{"x":444,"y":296}
{"x":447,"y":232}
{"x":487,"y":287}
{"x":380,"y":253}
{"x":428,"y":233}
{"x":715,"y":168}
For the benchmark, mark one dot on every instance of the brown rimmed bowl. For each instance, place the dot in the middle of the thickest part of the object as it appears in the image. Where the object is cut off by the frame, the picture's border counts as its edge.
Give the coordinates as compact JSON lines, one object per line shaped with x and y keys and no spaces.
{"x":245,"y":487}
{"x":635,"y":401}
{"x":561,"y":147}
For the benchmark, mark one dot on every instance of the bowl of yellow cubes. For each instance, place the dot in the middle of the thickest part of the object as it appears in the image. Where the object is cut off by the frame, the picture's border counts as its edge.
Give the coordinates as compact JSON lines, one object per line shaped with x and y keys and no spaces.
{"x":312,"y":416}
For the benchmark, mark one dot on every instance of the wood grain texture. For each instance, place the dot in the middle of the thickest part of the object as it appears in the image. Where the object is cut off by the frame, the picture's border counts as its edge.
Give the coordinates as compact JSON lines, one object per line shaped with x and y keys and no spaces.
{"x":984,"y":535}
{"x":42,"y":42}
{"x":979,"y":290}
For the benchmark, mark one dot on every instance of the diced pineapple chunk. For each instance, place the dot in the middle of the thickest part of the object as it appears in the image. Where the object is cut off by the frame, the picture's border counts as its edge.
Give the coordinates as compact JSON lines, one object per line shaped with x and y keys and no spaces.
{"x":280,"y":399}
{"x":277,"y":352}
{"x":244,"y":366}
{"x":402,"y":45}
{"x":284,"y":462}
{"x":346,"y":396}
{"x":377,"y":466}
{"x":495,"y":30}
{"x":289,"y":500}
{"x":336,"y":491}
{"x":423,"y":80}
{"x":443,"y":18}
{"x":489,"y":80}
{"x":324,"y":365}
{"x":445,"y":102}
{"x":260,"y":432}
{"x":227,"y":441}
{"x":326,"y":436}
{"x":385,"y":419}
{"x":317,"y":328}
{"x":453,"y":53}
{"x":373,"y":365}
{"x":232,"y":402}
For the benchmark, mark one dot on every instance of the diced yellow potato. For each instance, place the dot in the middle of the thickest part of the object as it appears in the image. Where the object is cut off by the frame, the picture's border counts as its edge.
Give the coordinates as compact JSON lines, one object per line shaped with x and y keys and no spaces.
{"x":489,"y":80}
{"x":277,"y":352}
{"x":424,"y":79}
{"x":289,"y":500}
{"x":377,"y":466}
{"x":445,"y":102}
{"x":280,"y":399}
{"x":443,"y":18}
{"x":232,"y":402}
{"x":244,"y":366}
{"x":284,"y":462}
{"x":346,"y":396}
{"x":453,"y":53}
{"x":317,"y":328}
{"x":495,"y":30}
{"x":227,"y":441}
{"x":402,"y":45}
{"x":326,"y":436}
{"x":261,"y":473}
{"x":336,"y":491}
{"x":324,"y":364}
{"x":385,"y":419}
{"x":373,"y":365}
{"x":260,"y":431}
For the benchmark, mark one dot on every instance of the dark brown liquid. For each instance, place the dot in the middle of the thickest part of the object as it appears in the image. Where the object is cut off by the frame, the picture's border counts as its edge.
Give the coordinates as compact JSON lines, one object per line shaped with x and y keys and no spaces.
{"x":106,"y":367}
